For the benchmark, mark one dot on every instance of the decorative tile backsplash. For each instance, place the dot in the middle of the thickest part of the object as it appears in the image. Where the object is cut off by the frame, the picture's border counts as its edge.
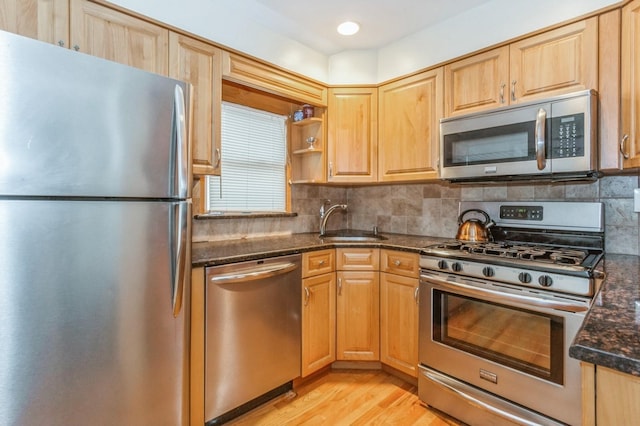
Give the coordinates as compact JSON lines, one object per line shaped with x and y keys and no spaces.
{"x":431,"y":209}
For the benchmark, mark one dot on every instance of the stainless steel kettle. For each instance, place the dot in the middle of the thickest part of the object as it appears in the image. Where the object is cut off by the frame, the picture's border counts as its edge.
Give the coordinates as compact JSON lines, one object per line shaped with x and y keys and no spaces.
{"x":474,"y":230}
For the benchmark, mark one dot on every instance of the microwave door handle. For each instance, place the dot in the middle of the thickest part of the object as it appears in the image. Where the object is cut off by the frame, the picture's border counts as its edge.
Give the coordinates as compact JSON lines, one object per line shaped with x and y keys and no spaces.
{"x":540,"y":133}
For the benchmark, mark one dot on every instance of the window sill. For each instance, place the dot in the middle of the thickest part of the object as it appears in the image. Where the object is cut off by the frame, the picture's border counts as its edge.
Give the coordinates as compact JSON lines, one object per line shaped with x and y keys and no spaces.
{"x":242,"y":215}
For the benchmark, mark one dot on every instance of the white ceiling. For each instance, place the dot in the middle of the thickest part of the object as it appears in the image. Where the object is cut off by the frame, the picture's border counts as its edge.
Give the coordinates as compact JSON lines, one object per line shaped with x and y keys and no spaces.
{"x":381,"y":21}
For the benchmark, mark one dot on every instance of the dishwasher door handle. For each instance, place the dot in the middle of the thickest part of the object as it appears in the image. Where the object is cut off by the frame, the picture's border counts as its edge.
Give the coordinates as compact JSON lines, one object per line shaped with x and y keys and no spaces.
{"x":254,"y":273}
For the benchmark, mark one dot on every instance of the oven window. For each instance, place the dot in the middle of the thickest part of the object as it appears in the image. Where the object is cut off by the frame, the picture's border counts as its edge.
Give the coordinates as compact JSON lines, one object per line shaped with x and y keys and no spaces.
{"x":528,"y":341}
{"x":514,"y":142}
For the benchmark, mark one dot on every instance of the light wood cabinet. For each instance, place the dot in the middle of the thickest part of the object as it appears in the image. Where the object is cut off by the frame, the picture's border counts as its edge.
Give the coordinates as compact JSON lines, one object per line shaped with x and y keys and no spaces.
{"x":555,"y":62}
{"x":358,"y":306}
{"x":44,"y":20}
{"x":399,"y":310}
{"x":617,"y":397}
{"x":409,"y":130}
{"x":352,"y":128}
{"x":318,"y":322}
{"x":110,"y":34}
{"x":609,"y":90}
{"x":477,"y":83}
{"x":197,"y":342}
{"x":268,"y":78}
{"x":400,"y":263}
{"x":552,"y":63}
{"x":630,"y":84}
{"x":609,"y":397}
{"x":318,"y":262}
{"x":200,"y":64}
{"x":318,"y":310}
{"x":308,"y":160}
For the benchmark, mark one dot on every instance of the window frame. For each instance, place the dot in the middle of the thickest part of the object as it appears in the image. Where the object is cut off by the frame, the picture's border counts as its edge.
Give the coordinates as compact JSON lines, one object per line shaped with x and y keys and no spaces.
{"x":247,"y":96}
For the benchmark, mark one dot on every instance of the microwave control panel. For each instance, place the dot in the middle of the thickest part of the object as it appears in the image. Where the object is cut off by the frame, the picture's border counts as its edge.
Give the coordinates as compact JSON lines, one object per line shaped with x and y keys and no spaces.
{"x":567,"y":136}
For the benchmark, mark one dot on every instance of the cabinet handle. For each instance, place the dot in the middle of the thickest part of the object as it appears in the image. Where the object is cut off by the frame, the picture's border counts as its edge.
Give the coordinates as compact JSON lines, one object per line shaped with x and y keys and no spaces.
{"x":330,"y":169}
{"x":513,"y":90}
{"x":502,"y":93}
{"x":624,"y":140}
{"x":416,"y":294}
{"x":321,"y":262}
{"x":339,"y":286}
{"x":218,"y":157}
{"x":306,"y":296}
{"x":397,"y":263}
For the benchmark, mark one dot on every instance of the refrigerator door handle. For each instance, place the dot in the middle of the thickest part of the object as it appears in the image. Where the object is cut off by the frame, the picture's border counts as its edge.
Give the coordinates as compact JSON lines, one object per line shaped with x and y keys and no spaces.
{"x":179,"y":254}
{"x":182,"y":153}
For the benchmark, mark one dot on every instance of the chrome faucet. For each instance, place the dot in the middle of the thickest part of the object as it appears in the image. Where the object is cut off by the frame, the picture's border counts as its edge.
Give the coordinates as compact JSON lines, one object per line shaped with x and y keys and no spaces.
{"x":326,"y":214}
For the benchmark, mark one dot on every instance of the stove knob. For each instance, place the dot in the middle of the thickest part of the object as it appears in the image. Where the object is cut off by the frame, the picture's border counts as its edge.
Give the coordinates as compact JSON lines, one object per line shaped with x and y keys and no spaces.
{"x":442,"y":264}
{"x":456,"y":267}
{"x":545,"y":281}
{"x":488,"y":272}
{"x":524,"y":277}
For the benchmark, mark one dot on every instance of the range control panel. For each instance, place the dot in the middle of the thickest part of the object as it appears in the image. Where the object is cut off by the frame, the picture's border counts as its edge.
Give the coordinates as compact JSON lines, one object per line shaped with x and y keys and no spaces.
{"x":521,"y":212}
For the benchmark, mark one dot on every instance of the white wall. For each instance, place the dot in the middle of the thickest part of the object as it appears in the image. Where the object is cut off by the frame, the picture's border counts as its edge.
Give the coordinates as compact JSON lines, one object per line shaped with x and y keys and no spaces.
{"x":232,"y":24}
{"x":485,"y":25}
{"x":236,"y":24}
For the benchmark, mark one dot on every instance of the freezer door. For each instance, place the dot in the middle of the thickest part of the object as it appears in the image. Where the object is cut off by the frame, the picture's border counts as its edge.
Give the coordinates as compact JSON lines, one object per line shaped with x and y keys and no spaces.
{"x":75,"y":125}
{"x":92,"y":321}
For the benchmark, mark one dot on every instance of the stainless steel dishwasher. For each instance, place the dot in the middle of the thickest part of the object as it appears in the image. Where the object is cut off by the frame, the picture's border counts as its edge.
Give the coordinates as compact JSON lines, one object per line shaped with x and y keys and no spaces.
{"x":252,"y":326}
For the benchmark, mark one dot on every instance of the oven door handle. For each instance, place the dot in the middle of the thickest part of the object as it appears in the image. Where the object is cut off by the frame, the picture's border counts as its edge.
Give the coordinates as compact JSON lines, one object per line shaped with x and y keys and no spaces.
{"x":502,"y":297}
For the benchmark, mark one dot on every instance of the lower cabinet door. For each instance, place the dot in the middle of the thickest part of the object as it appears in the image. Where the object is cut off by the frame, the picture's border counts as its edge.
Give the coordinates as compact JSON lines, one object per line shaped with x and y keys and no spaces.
{"x":399,"y":322}
{"x":318,"y":322}
{"x":358,"y":316}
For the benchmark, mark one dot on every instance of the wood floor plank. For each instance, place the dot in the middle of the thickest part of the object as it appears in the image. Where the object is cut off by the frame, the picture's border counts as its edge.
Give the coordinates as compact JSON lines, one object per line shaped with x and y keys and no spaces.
{"x":347,"y":397}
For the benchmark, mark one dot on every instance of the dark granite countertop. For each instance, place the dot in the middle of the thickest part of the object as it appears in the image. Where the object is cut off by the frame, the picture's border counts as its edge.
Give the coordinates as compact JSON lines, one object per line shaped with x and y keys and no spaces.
{"x":610,"y":333}
{"x":222,"y":252}
{"x":609,"y":336}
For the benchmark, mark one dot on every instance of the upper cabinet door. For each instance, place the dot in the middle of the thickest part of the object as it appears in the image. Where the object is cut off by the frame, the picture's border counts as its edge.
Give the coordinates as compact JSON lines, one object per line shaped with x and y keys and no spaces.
{"x":630,"y":84}
{"x":556,"y":62}
{"x":352,"y":135}
{"x":109,"y":34}
{"x":44,"y":20}
{"x":552,"y":63}
{"x":200,"y":64}
{"x":410,"y":111}
{"x":477,"y":83}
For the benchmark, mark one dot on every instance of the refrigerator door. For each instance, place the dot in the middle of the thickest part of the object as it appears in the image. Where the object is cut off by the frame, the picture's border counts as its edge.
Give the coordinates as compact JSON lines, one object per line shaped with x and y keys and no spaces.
{"x":92,"y":321}
{"x":75,"y":125}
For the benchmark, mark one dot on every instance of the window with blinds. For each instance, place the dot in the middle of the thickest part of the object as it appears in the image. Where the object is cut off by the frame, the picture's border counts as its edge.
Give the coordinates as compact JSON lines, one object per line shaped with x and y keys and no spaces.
{"x":253,"y":162}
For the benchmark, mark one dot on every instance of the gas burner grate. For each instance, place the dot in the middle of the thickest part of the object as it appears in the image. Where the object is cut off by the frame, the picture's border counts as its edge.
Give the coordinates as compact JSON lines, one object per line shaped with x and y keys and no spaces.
{"x":530,"y":252}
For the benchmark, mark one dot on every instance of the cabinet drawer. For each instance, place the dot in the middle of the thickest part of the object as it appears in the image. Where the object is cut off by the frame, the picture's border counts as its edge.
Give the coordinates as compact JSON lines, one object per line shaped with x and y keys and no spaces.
{"x":318,"y":262}
{"x":357,"y":259}
{"x":400,"y":263}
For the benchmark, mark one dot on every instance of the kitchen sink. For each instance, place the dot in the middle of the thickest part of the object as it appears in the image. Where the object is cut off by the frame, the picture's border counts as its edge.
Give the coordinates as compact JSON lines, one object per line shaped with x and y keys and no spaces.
{"x":351,"y":235}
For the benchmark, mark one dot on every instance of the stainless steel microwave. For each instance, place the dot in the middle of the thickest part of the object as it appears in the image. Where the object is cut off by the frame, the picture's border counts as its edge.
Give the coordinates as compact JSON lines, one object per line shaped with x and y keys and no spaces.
{"x":554,"y":139}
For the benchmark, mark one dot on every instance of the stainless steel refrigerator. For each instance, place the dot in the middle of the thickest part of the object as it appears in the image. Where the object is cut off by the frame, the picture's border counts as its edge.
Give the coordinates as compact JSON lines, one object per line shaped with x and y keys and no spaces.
{"x":94,"y":240}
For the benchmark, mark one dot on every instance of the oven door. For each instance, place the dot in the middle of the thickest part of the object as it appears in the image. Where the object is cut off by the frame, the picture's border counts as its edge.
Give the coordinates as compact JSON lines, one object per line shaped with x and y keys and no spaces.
{"x":511,"y":142}
{"x":504,"y":340}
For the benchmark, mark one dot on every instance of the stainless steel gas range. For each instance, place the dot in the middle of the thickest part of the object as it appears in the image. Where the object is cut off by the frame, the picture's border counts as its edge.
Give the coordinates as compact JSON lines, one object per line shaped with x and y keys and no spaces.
{"x":497,"y":318}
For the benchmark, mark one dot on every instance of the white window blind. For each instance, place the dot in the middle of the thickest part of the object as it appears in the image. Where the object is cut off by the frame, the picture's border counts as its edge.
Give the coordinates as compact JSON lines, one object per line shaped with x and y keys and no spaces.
{"x":253,"y":162}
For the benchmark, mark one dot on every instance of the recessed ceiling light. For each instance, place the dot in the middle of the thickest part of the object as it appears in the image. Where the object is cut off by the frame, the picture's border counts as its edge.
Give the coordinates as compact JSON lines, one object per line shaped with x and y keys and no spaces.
{"x":348,"y":28}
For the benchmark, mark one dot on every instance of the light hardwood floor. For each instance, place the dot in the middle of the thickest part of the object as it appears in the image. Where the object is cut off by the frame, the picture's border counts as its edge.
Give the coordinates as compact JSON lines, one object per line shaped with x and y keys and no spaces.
{"x":347,"y":397}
